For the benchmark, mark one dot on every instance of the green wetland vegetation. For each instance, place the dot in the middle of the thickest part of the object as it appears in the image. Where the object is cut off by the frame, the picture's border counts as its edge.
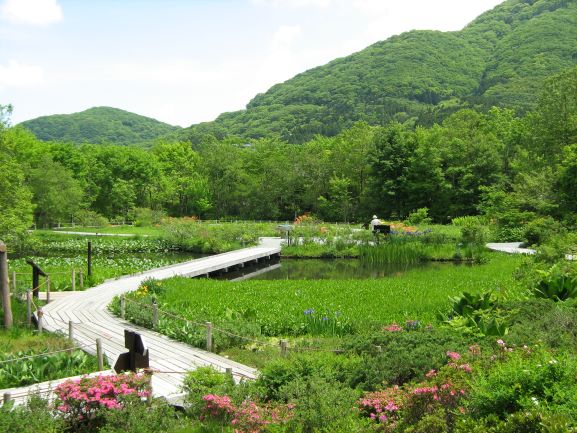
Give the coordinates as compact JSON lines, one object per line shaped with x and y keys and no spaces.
{"x":483,"y":150}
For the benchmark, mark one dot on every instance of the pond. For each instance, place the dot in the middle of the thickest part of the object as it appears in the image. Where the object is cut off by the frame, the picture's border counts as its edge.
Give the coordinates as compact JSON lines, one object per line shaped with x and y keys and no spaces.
{"x":328,"y":269}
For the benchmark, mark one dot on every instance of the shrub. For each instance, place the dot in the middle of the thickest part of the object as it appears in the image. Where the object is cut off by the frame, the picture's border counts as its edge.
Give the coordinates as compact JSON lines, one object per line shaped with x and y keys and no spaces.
{"x":420,"y":216}
{"x":395,"y":358}
{"x":34,"y":417}
{"x":204,"y":381}
{"x":82,"y":402}
{"x":525,"y":379}
{"x":540,"y":230}
{"x":89,"y":218}
{"x":558,"y":283}
{"x":474,"y":229}
{"x":318,"y":402}
{"x":144,"y":217}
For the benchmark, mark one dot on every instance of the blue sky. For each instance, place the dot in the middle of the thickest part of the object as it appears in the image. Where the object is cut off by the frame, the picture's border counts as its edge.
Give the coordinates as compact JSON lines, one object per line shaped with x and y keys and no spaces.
{"x":187,"y":61}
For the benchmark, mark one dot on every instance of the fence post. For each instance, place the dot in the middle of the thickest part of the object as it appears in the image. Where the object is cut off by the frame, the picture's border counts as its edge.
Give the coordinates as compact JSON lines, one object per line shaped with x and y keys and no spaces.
{"x":47,"y":289}
{"x":154,"y":315}
{"x":29,"y":307}
{"x":40,"y":324}
{"x":81,"y":276}
{"x":5,"y":286}
{"x":283,"y":348}
{"x":228,"y":371}
{"x":14,"y":281}
{"x":6,"y":398}
{"x":209,"y":336}
{"x":123,"y":306}
{"x":99,"y":354}
{"x":73,"y":280}
{"x":71,"y":330}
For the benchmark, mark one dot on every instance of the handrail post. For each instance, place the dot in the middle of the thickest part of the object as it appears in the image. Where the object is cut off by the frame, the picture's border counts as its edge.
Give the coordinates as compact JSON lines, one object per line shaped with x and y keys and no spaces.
{"x":40,"y":324}
{"x":99,"y":354}
{"x":154,"y":315}
{"x":209,"y":336}
{"x":123,"y":306}
{"x":29,"y":307}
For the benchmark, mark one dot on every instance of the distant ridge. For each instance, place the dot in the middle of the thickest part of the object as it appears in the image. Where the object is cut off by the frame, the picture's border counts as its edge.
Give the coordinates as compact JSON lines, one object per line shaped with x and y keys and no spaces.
{"x":501,"y":58}
{"x":100,"y":125}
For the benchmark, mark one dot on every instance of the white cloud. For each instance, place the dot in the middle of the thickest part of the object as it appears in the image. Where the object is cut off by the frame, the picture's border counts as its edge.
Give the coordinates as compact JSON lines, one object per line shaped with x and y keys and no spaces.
{"x":293,"y":3}
{"x":16,"y":74}
{"x":284,"y":37}
{"x":35,"y":12}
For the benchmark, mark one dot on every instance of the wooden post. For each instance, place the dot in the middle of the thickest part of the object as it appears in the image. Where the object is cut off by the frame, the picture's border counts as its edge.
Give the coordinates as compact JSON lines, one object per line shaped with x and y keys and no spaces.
{"x":7,"y":398}
{"x":228,"y":371}
{"x":40,"y":325}
{"x":81,"y":281}
{"x":283,"y":348}
{"x":209,"y":336}
{"x":154,"y":315}
{"x":29,"y":307}
{"x":99,"y":354}
{"x":73,"y":280}
{"x":89,"y":259}
{"x":5,"y":286}
{"x":14,"y":285}
{"x":123,"y":306}
{"x":47,"y":289}
{"x":71,"y":330}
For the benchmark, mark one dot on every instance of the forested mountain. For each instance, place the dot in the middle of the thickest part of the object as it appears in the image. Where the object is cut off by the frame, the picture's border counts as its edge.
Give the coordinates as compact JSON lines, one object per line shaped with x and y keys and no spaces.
{"x":100,"y":125}
{"x":500,"y":59}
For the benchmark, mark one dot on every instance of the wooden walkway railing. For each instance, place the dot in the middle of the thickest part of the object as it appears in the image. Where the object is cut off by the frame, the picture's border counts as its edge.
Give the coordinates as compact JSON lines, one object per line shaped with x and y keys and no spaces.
{"x":86,"y":313}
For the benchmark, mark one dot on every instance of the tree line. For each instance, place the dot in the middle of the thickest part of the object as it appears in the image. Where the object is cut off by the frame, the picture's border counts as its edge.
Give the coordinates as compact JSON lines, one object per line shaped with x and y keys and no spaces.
{"x":511,"y":168}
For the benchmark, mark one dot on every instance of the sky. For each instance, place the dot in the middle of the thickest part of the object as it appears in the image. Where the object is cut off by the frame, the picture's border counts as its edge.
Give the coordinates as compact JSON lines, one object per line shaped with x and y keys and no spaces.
{"x":187,"y":61}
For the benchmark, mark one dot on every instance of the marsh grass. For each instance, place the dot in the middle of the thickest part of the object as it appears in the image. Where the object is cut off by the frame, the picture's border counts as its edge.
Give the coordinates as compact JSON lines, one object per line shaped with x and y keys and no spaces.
{"x":275,"y":308}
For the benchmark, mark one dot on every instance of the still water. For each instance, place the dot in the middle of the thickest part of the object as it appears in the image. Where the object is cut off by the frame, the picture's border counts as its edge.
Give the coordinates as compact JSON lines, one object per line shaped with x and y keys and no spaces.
{"x":321,"y":269}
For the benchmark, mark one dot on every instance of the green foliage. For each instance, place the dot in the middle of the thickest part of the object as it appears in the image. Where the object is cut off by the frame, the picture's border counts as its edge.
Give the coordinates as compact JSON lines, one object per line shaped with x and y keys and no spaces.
{"x":501,"y":58}
{"x":558,"y":283}
{"x":203,"y":381}
{"x":43,"y":367}
{"x":399,"y":357}
{"x":100,"y":125}
{"x":33,"y":417}
{"x":525,"y":380}
{"x":255,"y":308}
{"x":473,"y":229}
{"x":477,"y":314}
{"x":420,"y":216}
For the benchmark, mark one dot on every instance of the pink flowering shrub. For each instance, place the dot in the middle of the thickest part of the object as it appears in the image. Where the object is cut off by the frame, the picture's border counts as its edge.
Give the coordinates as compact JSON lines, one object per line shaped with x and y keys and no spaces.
{"x":79,"y":401}
{"x":247,"y":417}
{"x":383,"y":407}
{"x":441,"y":393}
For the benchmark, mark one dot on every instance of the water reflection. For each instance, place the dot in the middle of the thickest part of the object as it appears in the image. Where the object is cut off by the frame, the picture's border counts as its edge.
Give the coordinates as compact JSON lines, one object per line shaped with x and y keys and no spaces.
{"x":336,"y":269}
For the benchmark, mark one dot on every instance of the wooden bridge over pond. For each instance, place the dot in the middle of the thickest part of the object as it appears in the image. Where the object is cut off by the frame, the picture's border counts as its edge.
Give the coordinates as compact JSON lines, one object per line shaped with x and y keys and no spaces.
{"x":87,"y":311}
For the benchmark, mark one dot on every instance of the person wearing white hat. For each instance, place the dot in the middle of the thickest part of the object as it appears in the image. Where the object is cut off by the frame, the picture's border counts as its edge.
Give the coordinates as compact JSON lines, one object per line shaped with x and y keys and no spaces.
{"x":374,"y":222}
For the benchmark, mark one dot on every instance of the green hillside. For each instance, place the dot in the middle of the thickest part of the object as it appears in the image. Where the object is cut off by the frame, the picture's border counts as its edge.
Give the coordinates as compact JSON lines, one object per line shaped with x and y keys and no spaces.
{"x":100,"y":125}
{"x":501,"y":58}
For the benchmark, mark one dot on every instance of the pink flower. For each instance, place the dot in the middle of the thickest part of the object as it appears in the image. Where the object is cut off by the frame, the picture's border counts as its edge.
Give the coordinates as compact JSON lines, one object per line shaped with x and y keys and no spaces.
{"x":453,"y":355}
{"x":431,"y":373}
{"x":501,"y":343}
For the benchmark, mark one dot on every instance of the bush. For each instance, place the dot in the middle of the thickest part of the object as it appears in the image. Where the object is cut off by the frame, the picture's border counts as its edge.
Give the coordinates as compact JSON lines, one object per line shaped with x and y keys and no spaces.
{"x":320,"y":404}
{"x":540,"y":230}
{"x":474,"y":229}
{"x":558,"y":283}
{"x":34,"y":417}
{"x":144,"y":217}
{"x":420,"y":216}
{"x":204,"y":381}
{"x":523,"y":381}
{"x":395,"y":358}
{"x":88,"y":218}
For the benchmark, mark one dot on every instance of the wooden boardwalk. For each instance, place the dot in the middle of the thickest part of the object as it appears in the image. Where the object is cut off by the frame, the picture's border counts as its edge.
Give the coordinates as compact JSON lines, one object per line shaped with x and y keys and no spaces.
{"x":88,"y":311}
